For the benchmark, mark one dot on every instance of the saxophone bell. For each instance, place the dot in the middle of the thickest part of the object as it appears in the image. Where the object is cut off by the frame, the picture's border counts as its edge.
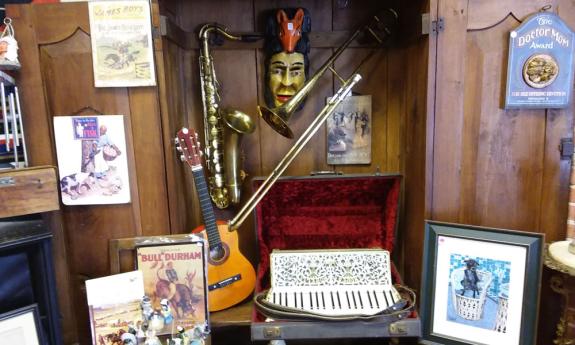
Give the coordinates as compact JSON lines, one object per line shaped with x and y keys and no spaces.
{"x":237,"y":124}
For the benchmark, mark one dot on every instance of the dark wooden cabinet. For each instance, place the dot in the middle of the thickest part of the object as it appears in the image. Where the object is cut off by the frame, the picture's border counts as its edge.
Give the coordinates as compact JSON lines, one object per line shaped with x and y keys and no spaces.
{"x":27,"y":273}
{"x":438,"y":120}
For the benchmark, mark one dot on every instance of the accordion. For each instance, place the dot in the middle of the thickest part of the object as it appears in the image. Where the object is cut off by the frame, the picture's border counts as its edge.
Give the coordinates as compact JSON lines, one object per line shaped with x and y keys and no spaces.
{"x":333,"y":283}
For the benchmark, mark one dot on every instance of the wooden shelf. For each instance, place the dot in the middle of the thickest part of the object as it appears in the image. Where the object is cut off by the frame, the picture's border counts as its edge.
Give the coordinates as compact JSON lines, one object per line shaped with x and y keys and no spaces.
{"x":240,"y":315}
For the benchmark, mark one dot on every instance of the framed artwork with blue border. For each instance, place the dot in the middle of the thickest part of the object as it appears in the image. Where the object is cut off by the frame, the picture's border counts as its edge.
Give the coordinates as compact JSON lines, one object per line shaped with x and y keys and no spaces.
{"x":480,"y":285}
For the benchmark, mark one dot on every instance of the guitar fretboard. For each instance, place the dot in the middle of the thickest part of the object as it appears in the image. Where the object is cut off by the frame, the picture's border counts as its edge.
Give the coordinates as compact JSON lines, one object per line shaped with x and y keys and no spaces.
{"x":207,"y":209}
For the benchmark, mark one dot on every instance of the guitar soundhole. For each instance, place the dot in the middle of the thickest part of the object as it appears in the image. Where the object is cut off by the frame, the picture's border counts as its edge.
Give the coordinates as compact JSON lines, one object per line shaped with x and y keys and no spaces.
{"x":219,"y":254}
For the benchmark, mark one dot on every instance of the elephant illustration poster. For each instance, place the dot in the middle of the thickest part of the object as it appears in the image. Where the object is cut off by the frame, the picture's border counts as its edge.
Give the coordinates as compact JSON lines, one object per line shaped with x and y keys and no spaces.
{"x":122,"y":50}
{"x":175,"y":273}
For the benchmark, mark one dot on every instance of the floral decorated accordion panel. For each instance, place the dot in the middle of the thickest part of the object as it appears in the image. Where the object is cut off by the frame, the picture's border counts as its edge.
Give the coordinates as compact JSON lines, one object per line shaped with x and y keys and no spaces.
{"x":333,"y":282}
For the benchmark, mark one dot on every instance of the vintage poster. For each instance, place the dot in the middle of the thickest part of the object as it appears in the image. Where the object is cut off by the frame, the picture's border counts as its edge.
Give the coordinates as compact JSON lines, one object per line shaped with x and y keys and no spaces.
{"x":122,"y":49}
{"x":349,"y":132}
{"x":176,"y":272}
{"x":540,"y":64}
{"x":92,"y":159}
{"x":114,"y":303}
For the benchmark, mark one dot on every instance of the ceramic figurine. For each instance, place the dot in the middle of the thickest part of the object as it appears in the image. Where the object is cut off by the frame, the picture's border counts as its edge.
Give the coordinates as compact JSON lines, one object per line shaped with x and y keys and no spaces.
{"x":8,"y":48}
{"x":166,"y":311}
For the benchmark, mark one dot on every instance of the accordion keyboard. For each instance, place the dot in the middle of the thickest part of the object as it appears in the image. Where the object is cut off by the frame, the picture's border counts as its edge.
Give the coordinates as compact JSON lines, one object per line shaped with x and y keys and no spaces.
{"x":333,"y":283}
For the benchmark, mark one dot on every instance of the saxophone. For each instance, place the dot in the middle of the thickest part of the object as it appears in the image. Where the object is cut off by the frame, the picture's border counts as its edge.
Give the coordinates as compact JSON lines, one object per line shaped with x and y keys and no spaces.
{"x":221,"y":127}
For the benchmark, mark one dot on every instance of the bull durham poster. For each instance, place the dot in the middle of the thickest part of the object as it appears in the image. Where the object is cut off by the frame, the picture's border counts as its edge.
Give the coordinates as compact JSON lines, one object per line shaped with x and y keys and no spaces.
{"x":540,"y":65}
{"x":176,"y":272}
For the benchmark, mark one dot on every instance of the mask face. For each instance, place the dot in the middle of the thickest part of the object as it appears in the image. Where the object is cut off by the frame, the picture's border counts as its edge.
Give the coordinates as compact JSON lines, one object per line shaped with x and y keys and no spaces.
{"x":286,"y":76}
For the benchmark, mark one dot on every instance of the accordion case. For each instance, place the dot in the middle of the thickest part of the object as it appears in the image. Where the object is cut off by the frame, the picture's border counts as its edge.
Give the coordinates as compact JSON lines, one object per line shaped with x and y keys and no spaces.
{"x":328,"y":213}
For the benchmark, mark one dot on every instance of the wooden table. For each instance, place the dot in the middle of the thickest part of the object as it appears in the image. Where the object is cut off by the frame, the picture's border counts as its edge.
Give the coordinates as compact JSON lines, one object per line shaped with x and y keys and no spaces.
{"x":563,"y":282}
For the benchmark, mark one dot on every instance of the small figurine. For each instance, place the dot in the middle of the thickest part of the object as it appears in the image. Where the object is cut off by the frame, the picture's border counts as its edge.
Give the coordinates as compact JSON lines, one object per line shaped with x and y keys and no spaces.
{"x":156,"y":321}
{"x":8,"y":48}
{"x":147,"y":308}
{"x":166,"y":311}
{"x":129,"y":339}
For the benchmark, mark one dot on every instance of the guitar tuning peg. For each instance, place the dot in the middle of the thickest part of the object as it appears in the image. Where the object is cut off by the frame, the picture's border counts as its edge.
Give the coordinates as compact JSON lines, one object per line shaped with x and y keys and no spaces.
{"x":179,"y":148}
{"x":182,"y":158}
{"x":176,"y":141}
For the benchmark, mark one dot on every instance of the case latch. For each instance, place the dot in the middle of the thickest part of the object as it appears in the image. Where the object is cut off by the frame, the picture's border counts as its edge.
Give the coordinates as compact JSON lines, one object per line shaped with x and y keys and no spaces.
{"x":398,"y":328}
{"x":272,"y":332}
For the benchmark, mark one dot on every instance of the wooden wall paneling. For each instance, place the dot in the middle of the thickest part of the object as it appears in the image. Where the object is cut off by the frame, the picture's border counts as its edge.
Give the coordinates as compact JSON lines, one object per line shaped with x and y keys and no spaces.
{"x":415,"y":130}
{"x":236,"y":15}
{"x":38,"y":137}
{"x":556,"y":172}
{"x":483,"y":14}
{"x":448,"y":111}
{"x":173,"y":116}
{"x":150,"y":163}
{"x":374,"y":74}
{"x":501,"y":185}
{"x":320,"y":12}
{"x":88,"y":227}
{"x":39,"y":143}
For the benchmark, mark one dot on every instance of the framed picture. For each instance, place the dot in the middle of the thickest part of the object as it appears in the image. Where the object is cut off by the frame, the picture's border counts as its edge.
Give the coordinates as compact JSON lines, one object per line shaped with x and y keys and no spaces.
{"x":22,"y":326}
{"x":122,"y":46}
{"x":480,"y":285}
{"x":176,"y":272}
{"x":349,"y":132}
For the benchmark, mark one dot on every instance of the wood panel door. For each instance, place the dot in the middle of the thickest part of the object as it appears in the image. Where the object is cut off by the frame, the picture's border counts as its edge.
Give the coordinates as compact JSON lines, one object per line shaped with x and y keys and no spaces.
{"x":492,"y":166}
{"x":56,"y":79}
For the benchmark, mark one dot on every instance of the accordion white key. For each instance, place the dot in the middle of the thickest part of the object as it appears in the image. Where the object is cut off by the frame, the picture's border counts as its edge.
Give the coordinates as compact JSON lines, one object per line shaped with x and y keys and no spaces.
{"x":333,"y":282}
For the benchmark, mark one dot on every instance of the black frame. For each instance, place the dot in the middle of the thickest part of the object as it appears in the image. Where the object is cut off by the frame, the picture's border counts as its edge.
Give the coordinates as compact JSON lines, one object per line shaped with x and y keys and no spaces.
{"x":534,"y":245}
{"x":33,"y":309}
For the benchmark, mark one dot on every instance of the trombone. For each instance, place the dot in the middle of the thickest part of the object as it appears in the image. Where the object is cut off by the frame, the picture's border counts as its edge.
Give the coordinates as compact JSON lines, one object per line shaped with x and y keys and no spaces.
{"x":278,"y":117}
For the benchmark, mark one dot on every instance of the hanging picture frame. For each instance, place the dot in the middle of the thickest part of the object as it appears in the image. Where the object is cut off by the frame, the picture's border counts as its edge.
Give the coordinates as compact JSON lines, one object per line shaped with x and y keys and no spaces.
{"x":480,"y":285}
{"x":92,"y":159}
{"x":122,"y":46}
{"x":22,"y":326}
{"x":540,"y":63}
{"x":349,"y":132}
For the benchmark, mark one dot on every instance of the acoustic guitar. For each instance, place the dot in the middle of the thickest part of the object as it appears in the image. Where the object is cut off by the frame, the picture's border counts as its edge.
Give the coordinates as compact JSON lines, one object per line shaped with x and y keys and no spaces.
{"x":231,"y":277}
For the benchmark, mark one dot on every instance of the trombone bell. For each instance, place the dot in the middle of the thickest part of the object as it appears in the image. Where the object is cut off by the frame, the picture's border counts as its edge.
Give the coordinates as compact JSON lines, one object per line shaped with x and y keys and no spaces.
{"x":275,"y":121}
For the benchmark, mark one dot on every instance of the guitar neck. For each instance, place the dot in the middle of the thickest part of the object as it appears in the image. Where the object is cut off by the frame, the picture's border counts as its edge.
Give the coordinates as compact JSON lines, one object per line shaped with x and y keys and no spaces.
{"x":207,"y":209}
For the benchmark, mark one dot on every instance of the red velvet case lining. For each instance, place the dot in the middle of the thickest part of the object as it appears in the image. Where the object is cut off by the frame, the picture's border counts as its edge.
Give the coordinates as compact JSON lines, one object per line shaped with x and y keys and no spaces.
{"x":326,"y":213}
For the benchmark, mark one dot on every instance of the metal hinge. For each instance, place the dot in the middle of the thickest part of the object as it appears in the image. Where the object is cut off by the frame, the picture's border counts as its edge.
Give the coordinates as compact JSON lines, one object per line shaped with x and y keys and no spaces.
{"x":433,"y":26}
{"x":437,"y":25}
{"x":566,"y":148}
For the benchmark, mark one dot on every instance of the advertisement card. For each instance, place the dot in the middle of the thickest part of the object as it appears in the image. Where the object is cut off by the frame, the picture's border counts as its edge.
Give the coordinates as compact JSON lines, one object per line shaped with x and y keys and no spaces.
{"x":92,"y":159}
{"x":122,"y":49}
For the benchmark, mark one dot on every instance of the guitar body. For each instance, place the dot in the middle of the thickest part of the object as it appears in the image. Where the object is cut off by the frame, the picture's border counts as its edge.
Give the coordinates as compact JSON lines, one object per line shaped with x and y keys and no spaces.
{"x":234,"y":272}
